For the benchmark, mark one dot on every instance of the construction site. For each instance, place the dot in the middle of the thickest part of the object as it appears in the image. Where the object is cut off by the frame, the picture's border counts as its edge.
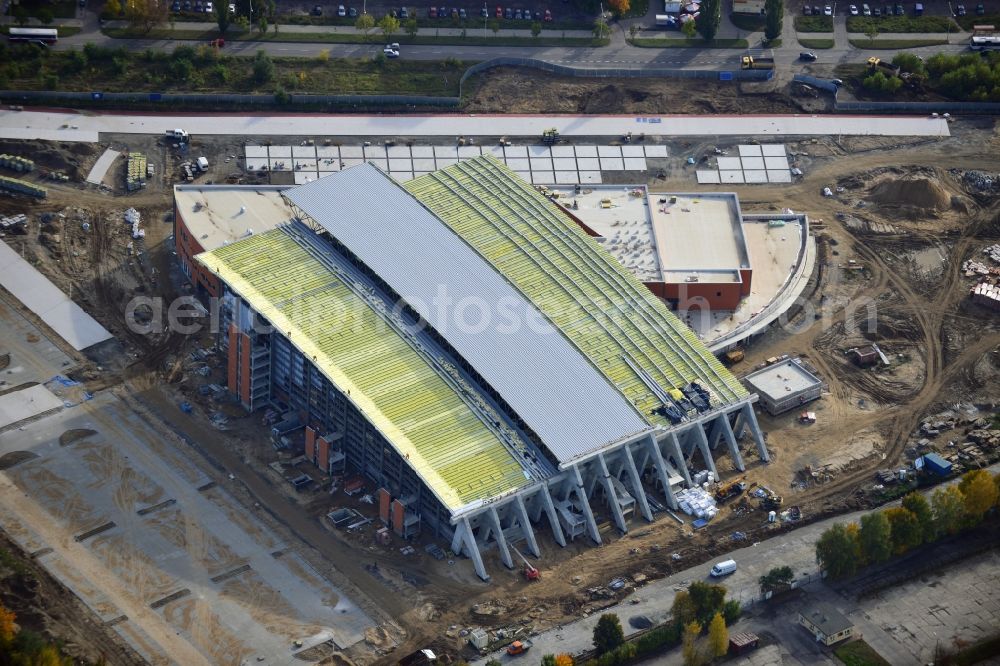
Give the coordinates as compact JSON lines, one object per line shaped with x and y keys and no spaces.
{"x":459,"y":404}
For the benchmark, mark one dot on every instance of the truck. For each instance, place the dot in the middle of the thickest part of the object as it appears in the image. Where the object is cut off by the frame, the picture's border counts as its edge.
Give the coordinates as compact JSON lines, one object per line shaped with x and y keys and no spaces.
{"x":879,"y":65}
{"x":519,"y":647}
{"x":203,"y":164}
{"x":666,"y":21}
{"x":757,"y":62}
{"x":179,"y":134}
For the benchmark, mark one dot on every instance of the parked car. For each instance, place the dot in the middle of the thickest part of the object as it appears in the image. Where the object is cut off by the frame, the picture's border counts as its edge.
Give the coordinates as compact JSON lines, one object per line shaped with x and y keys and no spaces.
{"x":548,"y":16}
{"x":462,"y":14}
{"x":390,"y":52}
{"x":198,"y":5}
{"x":432,"y":12}
{"x":209,"y":7}
{"x":404,"y":13}
{"x":827,"y":10}
{"x":980,"y":9}
{"x":853,"y":9}
{"x":187,"y":5}
{"x":218,"y":43}
{"x":485,"y":13}
{"x":899,"y":11}
{"x":918,"y":9}
{"x":499,"y":11}
{"x":806,"y":55}
{"x":807,"y":10}
{"x":960,"y":10}
{"x":317,"y":11}
{"x":341,"y":11}
{"x":866,"y":10}
{"x":508,"y":13}
{"x":877,"y":12}
{"x":724,"y":568}
{"x":176,"y":6}
{"x":352,"y":12}
{"x":837,"y":82}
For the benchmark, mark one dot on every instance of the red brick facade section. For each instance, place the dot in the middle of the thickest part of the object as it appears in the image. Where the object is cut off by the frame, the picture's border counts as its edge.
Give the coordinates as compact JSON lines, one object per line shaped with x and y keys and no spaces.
{"x":187,"y":247}
{"x":245,"y":368}
{"x":323,"y":454}
{"x":310,"y":448}
{"x":384,"y":499}
{"x":233,"y":359}
{"x":398,"y":512}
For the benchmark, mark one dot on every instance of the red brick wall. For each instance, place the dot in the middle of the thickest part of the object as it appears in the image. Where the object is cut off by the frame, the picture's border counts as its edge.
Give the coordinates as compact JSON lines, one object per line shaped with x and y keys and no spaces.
{"x":746,"y":275}
{"x":245,"y":368}
{"x":310,"y":448}
{"x":398,"y":511}
{"x":233,"y":358}
{"x":384,"y":499}
{"x":187,"y":247}
{"x":719,"y":296}
{"x":323,"y":454}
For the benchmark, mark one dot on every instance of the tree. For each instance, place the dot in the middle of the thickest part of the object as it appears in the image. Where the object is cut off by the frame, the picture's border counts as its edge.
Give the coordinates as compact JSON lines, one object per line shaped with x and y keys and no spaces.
{"x":718,"y":636}
{"x":221,"y":16}
{"x":8,"y":629}
{"x":689,"y":29}
{"x":708,"y":19}
{"x":262,"y":24}
{"x":45,"y":15}
{"x":388,"y":25}
{"x":949,"y":506}
{"x":495,"y":26}
{"x":21,"y":15}
{"x":113,"y":7}
{"x":875,"y":537}
{"x":996,"y":482}
{"x":601,"y":29}
{"x":774,"y":14}
{"x":918,"y":505}
{"x":364,"y":24}
{"x":909,"y":62}
{"x":905,"y":529}
{"x":871,"y":33}
{"x":411,"y":27}
{"x":548,"y":660}
{"x":536,"y":29}
{"x":619,"y":7}
{"x":683,"y":610}
{"x":633,"y":30}
{"x":608,"y":633}
{"x":263,"y":67}
{"x":145,"y":15}
{"x":978,"y":492}
{"x":692,"y":654}
{"x":708,"y":600}
{"x":172,"y":20}
{"x":838,"y":551}
{"x":777,"y":579}
{"x":496,"y":662}
{"x":564,"y":660}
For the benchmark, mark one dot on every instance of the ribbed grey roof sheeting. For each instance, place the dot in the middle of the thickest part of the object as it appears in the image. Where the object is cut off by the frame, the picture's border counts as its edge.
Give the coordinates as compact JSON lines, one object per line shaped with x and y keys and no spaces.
{"x":549,"y":384}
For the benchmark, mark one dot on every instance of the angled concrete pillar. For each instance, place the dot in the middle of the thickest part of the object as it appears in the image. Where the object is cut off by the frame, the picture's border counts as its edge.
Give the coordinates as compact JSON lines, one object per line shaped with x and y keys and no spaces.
{"x":751,"y":420}
{"x":702,"y":442}
{"x":522,"y":517}
{"x":661,"y":470}
{"x":471,"y":548}
{"x":458,"y":539}
{"x":739,"y":426}
{"x":501,"y":540}
{"x":734,"y":448}
{"x":715,"y":433}
{"x":637,"y":490}
{"x":591,"y":480}
{"x":643,"y":459}
{"x":612,"y":496}
{"x":675,"y":449}
{"x":550,"y":511}
{"x":585,"y":506}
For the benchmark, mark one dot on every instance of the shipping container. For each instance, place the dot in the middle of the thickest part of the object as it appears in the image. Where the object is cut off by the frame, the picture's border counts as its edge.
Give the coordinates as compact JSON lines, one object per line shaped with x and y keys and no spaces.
{"x":936,"y":464}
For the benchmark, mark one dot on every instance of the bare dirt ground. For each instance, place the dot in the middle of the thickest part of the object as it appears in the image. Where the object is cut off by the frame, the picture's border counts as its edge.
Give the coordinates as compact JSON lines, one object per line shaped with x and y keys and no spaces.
{"x":513,"y":90}
{"x":895,"y":235}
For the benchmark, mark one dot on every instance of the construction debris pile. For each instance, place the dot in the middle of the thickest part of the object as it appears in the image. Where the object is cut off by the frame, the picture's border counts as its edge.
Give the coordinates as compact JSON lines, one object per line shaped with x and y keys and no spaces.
{"x":993,"y":252}
{"x":980,"y":181}
{"x":972,"y":268}
{"x":987,"y":295}
{"x":16,"y":223}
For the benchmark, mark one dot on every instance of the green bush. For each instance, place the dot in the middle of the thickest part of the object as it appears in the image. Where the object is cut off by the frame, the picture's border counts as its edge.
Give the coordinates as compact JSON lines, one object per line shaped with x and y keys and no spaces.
{"x":814,"y":24}
{"x":864,"y":24}
{"x":263,"y":67}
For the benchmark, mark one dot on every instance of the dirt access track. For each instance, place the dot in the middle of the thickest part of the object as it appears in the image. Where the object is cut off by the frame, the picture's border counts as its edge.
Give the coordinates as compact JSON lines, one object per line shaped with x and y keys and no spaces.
{"x":902,"y":201}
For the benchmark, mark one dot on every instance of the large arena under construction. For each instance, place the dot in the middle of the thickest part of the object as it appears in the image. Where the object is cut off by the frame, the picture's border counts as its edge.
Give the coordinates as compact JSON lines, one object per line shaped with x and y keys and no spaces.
{"x":465,"y":345}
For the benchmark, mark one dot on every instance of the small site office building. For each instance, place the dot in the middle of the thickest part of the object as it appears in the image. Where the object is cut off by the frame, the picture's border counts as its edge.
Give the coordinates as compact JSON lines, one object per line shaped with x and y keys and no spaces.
{"x":467,"y":347}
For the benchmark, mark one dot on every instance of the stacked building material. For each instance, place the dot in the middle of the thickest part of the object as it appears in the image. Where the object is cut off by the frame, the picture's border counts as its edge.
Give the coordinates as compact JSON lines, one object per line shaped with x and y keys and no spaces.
{"x":133,"y":217}
{"x":22,"y":187}
{"x":13,"y":222}
{"x":17,"y":163}
{"x":135,"y":172}
{"x":987,"y":295}
{"x":698,"y":503}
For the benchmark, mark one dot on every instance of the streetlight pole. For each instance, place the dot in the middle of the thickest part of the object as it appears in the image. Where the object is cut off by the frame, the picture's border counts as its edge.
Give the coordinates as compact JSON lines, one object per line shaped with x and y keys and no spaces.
{"x":486,"y":15}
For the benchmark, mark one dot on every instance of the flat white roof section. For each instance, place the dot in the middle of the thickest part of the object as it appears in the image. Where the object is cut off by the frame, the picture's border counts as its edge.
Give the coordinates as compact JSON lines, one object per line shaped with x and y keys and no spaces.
{"x":782,"y":379}
{"x":217,"y":215}
{"x":43,"y":298}
{"x":26,"y":403}
{"x":101,"y":166}
{"x":49,"y":125}
{"x":547,"y":382}
{"x":698,"y":232}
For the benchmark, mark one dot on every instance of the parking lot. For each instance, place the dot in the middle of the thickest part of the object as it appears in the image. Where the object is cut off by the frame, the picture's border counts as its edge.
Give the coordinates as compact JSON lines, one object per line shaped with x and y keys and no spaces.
{"x":907,"y":8}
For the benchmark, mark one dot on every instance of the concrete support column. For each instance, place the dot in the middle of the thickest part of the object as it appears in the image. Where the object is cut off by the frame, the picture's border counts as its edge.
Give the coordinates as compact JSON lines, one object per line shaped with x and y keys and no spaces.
{"x":471,"y":548}
{"x":715,"y":434}
{"x":612,"y":496}
{"x":529,"y":534}
{"x":501,"y":540}
{"x":637,"y":490}
{"x":585,"y":506}
{"x":702,"y":442}
{"x":739,"y":426}
{"x":751,"y":420}
{"x":550,"y":510}
{"x":661,"y":470}
{"x":734,"y":450}
{"x":675,"y":449}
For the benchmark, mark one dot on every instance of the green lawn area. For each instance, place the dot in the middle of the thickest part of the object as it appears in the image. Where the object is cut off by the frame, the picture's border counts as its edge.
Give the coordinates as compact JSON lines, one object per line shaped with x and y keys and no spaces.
{"x":814,"y":24}
{"x":971,"y":19}
{"x":473,"y":22}
{"x":901,"y":24}
{"x":973,"y":654}
{"x":375,"y":39}
{"x":204,"y":70}
{"x":663,"y":43}
{"x":59,"y":8}
{"x":859,"y":653}
{"x":748,"y":22}
{"x":816,"y":43}
{"x":895,"y":44}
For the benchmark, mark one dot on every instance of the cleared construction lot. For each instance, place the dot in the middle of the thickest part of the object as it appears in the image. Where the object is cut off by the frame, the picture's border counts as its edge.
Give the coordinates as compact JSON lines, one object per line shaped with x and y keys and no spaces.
{"x":158,"y":551}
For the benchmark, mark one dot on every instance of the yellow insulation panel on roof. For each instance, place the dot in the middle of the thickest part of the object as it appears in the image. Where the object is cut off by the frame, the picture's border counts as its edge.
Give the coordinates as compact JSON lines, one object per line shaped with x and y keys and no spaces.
{"x":395,"y":387}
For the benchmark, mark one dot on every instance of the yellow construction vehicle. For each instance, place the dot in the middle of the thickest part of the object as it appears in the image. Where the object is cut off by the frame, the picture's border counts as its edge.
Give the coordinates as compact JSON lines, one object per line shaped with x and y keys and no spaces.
{"x":877,"y":64}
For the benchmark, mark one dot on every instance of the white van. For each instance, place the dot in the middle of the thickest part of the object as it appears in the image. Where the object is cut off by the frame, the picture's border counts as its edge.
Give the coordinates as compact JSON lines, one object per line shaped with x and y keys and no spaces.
{"x":723,"y":568}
